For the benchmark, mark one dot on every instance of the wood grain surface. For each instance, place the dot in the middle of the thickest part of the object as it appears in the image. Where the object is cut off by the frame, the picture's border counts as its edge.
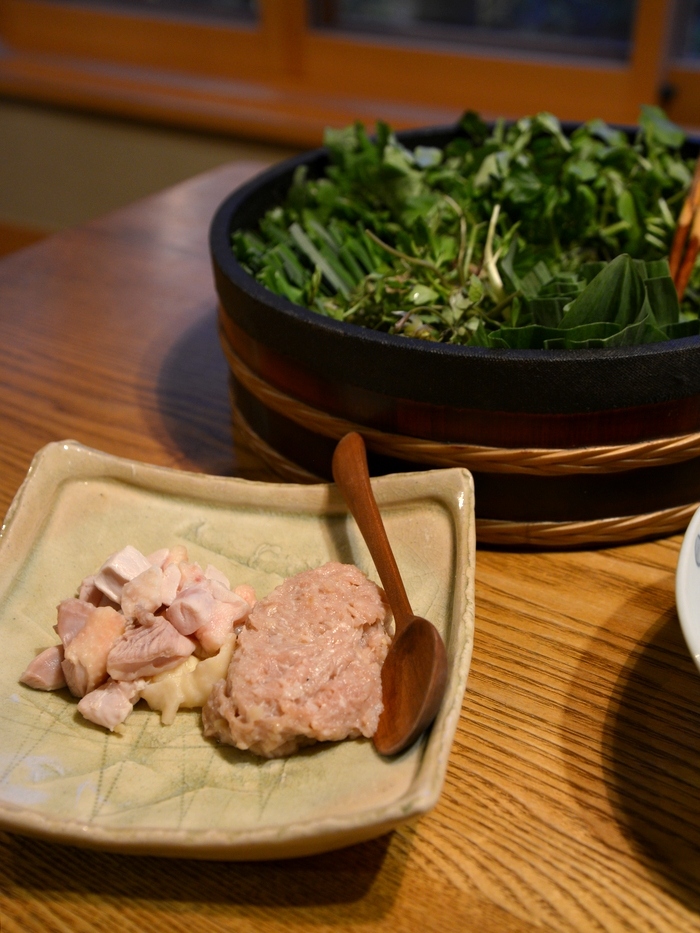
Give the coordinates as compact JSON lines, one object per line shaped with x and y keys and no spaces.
{"x":572,"y":795}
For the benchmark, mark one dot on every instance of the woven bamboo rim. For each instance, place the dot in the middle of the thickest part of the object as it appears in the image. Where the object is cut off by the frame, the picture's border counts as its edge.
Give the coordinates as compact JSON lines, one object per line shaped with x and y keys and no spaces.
{"x":539,"y":461}
{"x":508,"y":533}
{"x":284,"y":468}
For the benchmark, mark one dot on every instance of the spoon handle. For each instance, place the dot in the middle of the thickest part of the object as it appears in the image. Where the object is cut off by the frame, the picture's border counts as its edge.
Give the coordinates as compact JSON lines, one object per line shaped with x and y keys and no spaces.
{"x":351,"y":475}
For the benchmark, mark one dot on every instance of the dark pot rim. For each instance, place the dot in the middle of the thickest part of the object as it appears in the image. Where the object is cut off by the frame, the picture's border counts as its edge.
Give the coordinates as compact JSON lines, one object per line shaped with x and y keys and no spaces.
{"x":561,"y":381}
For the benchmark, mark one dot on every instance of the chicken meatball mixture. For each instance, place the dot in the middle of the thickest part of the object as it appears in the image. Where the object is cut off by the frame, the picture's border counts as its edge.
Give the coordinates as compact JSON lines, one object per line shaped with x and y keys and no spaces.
{"x":307,"y":665}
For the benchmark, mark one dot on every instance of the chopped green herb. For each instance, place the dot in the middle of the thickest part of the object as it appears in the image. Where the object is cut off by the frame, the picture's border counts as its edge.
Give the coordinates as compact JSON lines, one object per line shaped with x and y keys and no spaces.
{"x":513,"y":236}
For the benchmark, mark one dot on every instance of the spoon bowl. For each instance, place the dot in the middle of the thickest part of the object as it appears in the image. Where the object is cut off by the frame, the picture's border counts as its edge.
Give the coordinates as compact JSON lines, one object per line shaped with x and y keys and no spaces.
{"x":414,"y":673}
{"x":413,"y":683}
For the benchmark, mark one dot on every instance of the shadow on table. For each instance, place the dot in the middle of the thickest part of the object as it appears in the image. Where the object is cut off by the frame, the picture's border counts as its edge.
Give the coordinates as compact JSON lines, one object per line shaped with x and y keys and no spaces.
{"x":339,"y":885}
{"x":193,"y":398}
{"x":652,"y":748}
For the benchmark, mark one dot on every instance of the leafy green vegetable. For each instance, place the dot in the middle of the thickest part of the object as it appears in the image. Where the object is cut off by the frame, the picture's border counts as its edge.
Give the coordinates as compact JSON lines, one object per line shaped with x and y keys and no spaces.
{"x":512,"y":236}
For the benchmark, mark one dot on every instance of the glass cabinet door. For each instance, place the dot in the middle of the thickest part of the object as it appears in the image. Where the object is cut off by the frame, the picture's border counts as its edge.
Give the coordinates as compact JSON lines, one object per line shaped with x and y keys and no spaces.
{"x":591,"y":28}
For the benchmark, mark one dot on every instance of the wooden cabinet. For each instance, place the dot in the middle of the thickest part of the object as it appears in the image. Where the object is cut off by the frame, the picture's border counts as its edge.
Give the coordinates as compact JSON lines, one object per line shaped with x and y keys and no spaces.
{"x":281,"y":76}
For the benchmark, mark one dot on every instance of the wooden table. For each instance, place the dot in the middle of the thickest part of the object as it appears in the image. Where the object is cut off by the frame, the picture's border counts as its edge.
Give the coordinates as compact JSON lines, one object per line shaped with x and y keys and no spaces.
{"x":572,"y":799}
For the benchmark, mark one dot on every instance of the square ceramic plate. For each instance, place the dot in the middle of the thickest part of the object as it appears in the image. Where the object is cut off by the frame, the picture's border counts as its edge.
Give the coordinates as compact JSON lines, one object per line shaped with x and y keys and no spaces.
{"x":166,"y":790}
{"x":688,"y":587}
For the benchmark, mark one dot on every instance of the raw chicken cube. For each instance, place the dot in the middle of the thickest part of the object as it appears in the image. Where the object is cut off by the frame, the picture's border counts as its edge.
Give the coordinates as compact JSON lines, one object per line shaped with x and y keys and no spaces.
{"x":110,"y":704}
{"x":147,"y":650}
{"x":190,"y":574}
{"x":221,"y":623}
{"x":172,"y":575}
{"x":45,"y":671}
{"x":159,"y":557}
{"x":177,"y":555}
{"x":213,"y":573}
{"x":85,"y":661}
{"x":143,"y":594}
{"x":209,"y":610}
{"x":72,"y":616}
{"x":118,"y":569}
{"x":191,"y":608}
{"x":245,"y":591}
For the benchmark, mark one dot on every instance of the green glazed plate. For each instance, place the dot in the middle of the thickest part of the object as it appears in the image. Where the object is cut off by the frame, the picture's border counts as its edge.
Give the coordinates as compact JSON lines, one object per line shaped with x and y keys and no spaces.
{"x":166,"y":790}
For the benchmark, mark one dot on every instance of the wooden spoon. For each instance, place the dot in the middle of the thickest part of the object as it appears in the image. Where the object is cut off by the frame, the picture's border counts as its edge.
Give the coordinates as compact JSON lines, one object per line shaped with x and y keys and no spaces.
{"x":415,"y":669}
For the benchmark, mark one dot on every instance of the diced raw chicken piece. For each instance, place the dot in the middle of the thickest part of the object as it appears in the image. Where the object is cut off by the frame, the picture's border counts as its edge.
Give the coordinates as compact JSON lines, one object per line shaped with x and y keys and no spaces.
{"x":89,"y":593}
{"x":85,"y":661}
{"x":213,"y":573}
{"x":118,"y":569}
{"x":190,"y":574}
{"x":191,"y":608}
{"x":307,"y":665}
{"x":110,"y":704}
{"x":147,"y":650}
{"x":159,"y":557}
{"x":246,"y":592}
{"x":150,"y":590}
{"x":45,"y":671}
{"x":209,"y":610}
{"x":143,"y":594}
{"x":72,"y":616}
{"x":171,"y":583}
{"x":224,"y":617}
{"x":177,"y":555}
{"x":224,"y":594}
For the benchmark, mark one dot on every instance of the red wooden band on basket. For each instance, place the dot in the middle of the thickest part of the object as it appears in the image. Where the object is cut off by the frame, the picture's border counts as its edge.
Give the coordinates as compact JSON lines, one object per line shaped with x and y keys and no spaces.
{"x":529,"y":460}
{"x":453,"y":425}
